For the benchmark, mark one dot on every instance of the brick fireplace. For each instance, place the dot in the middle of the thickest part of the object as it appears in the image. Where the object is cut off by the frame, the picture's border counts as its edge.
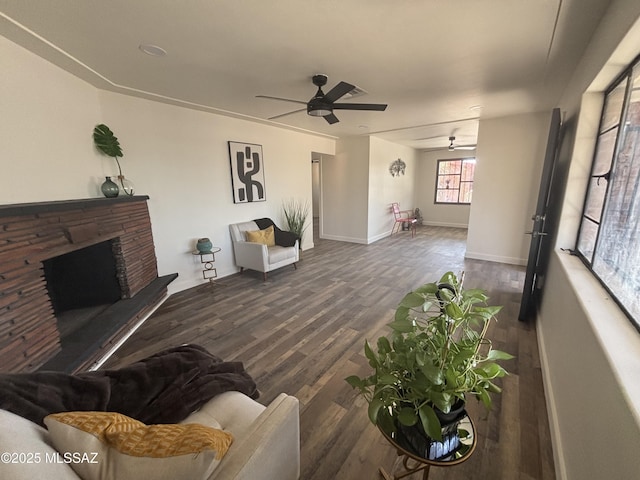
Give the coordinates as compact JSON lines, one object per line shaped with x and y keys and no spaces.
{"x":96,"y":255}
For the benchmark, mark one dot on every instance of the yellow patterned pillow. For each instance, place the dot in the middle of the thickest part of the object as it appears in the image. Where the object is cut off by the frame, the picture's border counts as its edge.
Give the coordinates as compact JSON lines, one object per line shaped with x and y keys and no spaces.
{"x":110,"y":446}
{"x":266,"y":236}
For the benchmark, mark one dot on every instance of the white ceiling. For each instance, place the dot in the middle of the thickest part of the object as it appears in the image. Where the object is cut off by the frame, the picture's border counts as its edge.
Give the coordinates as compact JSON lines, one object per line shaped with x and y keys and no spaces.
{"x":429,"y":60}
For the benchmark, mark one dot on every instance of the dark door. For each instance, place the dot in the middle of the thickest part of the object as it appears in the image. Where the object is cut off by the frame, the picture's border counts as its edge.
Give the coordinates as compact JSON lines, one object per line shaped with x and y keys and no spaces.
{"x":539,"y":232}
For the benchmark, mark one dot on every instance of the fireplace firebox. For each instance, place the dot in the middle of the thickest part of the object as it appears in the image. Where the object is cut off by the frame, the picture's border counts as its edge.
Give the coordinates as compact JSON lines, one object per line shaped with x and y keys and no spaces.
{"x":82,"y":279}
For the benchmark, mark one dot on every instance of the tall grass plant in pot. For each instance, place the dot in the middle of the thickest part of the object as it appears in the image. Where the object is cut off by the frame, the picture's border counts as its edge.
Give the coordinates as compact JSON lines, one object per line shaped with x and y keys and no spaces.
{"x":295,"y":216}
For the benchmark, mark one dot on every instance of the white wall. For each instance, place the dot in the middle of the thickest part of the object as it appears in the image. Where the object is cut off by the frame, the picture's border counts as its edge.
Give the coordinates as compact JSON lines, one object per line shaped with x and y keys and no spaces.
{"x":590,"y":353}
{"x":385,"y":189}
{"x":510,"y":154}
{"x":358,"y":189}
{"x":432,"y":213}
{"x":45,"y":130}
{"x":344,"y":179}
{"x":179,"y":157}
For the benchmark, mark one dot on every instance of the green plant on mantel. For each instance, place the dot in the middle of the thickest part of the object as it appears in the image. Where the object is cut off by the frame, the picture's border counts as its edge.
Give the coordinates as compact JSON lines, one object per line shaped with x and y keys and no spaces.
{"x":295,"y":216}
{"x":108,"y":144}
{"x":436,"y":353}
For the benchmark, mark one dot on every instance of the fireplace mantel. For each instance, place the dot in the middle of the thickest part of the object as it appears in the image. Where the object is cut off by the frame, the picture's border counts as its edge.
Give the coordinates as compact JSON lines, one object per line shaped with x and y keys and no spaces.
{"x":62,"y":205}
{"x":31,"y":233}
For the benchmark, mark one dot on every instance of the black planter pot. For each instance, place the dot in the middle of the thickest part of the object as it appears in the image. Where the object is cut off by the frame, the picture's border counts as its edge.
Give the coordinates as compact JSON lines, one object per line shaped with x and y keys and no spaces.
{"x":457,"y":411}
{"x":416,"y":440}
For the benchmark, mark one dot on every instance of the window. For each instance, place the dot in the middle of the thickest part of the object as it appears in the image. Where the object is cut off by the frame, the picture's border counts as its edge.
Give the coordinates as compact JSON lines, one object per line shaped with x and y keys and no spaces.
{"x":454,"y":180}
{"x":609,"y":237}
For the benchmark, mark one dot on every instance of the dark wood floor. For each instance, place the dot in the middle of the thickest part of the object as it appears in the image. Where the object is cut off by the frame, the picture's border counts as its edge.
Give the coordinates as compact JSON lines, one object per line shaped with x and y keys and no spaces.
{"x":302,"y":332}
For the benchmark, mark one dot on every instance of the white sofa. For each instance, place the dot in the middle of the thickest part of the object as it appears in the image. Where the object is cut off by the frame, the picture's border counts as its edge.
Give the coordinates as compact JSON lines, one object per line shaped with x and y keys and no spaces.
{"x":266,"y":443}
{"x":257,"y":256}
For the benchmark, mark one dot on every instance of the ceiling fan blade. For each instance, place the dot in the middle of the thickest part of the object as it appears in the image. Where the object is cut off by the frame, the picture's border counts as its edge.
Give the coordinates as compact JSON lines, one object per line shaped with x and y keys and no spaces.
{"x":340,"y":90}
{"x":464,"y":147}
{"x":282,"y":99}
{"x":288,"y":113}
{"x":331,"y":119}
{"x":379,"y":107}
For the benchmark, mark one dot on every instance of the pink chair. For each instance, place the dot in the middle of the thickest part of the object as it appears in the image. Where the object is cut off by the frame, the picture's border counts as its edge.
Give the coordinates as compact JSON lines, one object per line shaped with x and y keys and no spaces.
{"x":403,"y":217}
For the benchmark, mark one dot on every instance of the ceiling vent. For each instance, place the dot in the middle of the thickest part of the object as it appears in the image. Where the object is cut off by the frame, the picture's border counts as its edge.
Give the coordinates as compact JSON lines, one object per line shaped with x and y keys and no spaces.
{"x":356,"y":92}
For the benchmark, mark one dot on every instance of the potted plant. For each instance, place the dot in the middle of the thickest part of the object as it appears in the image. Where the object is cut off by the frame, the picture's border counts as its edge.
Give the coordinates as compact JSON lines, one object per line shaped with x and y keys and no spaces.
{"x":295,"y":216}
{"x":108,"y":144}
{"x":436,"y":354}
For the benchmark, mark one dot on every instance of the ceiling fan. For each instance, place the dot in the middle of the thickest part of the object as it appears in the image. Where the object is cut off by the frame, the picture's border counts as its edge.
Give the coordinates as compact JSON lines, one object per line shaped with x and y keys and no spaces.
{"x":323,"y":104}
{"x":459,"y":147}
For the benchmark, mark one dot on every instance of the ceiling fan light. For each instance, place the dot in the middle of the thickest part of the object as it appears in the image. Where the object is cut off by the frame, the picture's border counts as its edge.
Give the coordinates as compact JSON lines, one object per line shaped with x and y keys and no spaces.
{"x":319,"y":112}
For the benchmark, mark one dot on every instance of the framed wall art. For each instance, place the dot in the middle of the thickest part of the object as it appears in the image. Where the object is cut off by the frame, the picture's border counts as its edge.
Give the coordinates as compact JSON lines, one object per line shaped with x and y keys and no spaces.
{"x":247,"y":172}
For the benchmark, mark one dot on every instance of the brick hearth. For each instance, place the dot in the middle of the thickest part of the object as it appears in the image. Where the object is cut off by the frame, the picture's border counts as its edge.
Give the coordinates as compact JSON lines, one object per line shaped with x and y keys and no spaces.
{"x":33,"y":233}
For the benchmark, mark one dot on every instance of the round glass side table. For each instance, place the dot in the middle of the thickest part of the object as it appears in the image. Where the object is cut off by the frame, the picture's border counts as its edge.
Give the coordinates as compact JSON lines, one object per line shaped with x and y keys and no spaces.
{"x":442,"y":454}
{"x":208,"y":259}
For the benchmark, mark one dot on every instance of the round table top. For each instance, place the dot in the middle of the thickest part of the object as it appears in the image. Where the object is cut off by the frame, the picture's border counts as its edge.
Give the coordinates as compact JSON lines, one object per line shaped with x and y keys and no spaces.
{"x":466,"y":434}
{"x":213,"y":250}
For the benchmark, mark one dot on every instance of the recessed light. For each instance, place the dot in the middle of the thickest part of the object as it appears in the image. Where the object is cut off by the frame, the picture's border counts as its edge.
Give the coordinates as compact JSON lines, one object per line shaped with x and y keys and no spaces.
{"x":475,"y":107}
{"x":153,"y":50}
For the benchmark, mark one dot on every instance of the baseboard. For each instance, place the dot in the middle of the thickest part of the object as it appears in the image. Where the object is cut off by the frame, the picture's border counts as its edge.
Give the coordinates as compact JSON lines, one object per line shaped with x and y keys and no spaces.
{"x":496,"y":258}
{"x":445,"y":224}
{"x":340,"y":238}
{"x":380,"y":236}
{"x":554,"y":427}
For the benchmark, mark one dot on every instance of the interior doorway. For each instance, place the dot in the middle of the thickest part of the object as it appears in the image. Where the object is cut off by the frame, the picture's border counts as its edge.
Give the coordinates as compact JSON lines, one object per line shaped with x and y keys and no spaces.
{"x":316,"y":190}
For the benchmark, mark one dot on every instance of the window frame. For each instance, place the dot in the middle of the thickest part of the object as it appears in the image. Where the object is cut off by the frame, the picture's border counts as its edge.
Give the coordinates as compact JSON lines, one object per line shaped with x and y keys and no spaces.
{"x":438,"y":175}
{"x":626,"y":79}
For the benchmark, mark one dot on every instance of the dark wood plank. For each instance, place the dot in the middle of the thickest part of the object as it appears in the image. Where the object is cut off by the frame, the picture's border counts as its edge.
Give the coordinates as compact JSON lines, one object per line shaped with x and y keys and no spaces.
{"x":302,"y":332}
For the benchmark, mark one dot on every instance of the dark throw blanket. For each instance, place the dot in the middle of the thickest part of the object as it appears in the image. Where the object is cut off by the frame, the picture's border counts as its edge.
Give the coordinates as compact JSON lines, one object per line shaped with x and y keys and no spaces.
{"x":163,"y":388}
{"x":282,"y":238}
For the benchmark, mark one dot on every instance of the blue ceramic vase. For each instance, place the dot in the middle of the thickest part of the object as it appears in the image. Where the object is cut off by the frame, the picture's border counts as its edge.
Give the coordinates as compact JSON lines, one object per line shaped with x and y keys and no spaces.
{"x":204,"y":245}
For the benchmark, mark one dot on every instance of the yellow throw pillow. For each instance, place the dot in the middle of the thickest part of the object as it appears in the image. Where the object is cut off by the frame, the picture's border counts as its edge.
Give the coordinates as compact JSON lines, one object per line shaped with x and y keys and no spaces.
{"x":266,"y":236}
{"x":112,"y":446}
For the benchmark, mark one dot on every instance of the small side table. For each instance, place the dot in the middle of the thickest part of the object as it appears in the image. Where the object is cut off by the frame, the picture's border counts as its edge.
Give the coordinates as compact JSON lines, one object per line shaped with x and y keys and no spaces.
{"x":461,"y":454}
{"x":207,"y":260}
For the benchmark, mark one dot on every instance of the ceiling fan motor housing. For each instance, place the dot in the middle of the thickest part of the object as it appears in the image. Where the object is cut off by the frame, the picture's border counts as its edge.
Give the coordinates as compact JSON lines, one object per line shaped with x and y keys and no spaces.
{"x":319,"y":80}
{"x":317,"y":107}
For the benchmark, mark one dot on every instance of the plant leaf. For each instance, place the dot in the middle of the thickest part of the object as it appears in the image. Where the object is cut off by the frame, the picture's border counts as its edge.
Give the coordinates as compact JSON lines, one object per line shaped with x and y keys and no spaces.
{"x":407,"y":416}
{"x":404,"y":325}
{"x":355,"y":381}
{"x":433,"y":373}
{"x":384,"y":346}
{"x":106,"y":141}
{"x":453,"y":310}
{"x":499,"y":355}
{"x":493,"y":370}
{"x":412,"y":300}
{"x":387,"y":379}
{"x":373,"y":361}
{"x":486,"y":399}
{"x":430,"y":422}
{"x":427,"y":288}
{"x":374,"y":409}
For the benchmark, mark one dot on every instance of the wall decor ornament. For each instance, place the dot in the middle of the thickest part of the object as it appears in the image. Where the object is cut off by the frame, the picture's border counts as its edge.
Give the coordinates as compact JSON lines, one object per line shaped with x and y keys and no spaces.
{"x":397,"y":167}
{"x":247,"y":172}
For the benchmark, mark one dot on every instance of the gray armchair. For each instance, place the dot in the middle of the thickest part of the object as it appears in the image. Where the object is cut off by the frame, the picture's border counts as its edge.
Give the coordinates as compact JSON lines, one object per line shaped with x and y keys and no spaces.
{"x":258,"y":256}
